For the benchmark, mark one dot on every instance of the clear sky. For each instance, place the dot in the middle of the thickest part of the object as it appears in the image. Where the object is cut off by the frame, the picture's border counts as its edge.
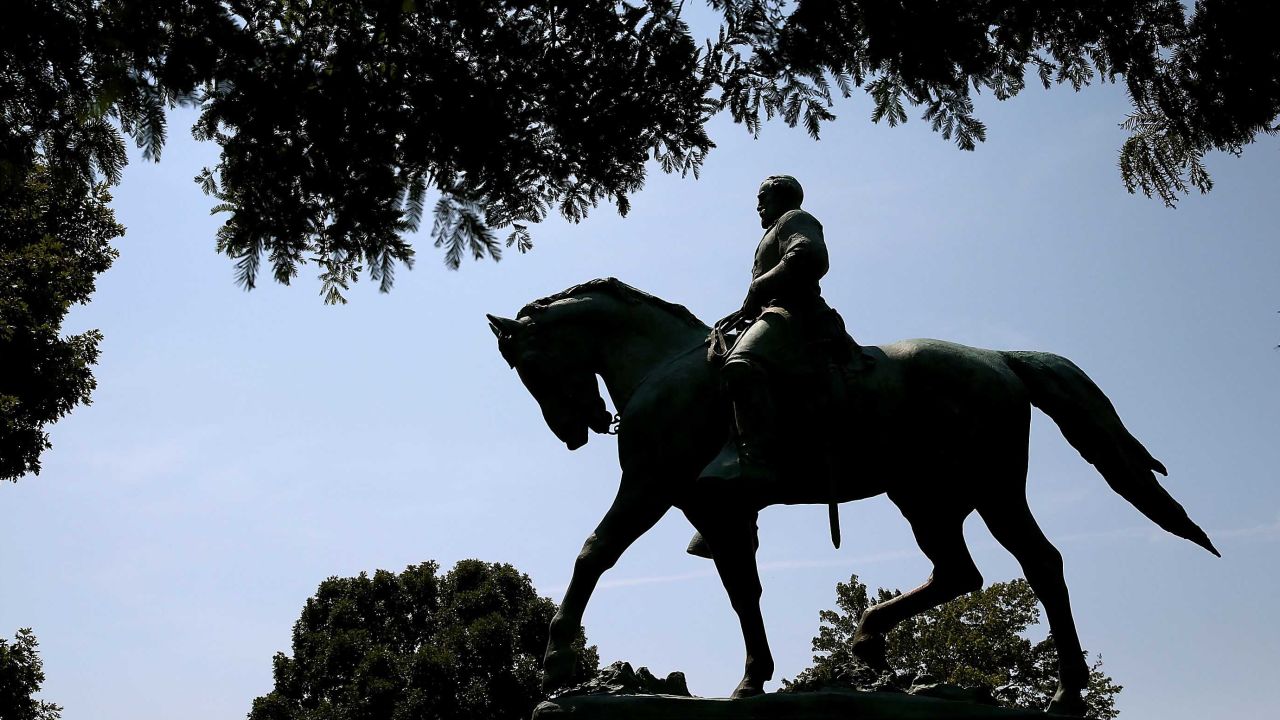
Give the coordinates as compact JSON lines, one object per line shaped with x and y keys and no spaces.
{"x":242,"y":446}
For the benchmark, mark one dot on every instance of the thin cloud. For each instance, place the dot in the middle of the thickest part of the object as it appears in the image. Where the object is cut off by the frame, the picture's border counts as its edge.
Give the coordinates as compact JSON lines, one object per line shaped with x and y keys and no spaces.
{"x":1264,"y":532}
{"x":772,"y":565}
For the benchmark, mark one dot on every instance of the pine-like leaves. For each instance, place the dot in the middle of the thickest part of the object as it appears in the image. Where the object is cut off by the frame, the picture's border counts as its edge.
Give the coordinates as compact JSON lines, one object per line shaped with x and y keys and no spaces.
{"x":339,"y":121}
{"x":459,"y":227}
{"x":1158,"y":160}
{"x":348,"y":117}
{"x":1205,"y":83}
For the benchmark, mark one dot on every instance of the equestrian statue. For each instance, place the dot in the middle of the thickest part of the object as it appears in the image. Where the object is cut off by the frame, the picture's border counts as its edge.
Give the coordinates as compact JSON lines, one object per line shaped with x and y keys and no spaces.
{"x":776,"y":404}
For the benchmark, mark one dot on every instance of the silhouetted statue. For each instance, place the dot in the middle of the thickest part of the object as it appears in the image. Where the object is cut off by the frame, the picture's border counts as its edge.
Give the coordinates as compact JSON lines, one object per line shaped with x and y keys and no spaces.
{"x":940,"y":428}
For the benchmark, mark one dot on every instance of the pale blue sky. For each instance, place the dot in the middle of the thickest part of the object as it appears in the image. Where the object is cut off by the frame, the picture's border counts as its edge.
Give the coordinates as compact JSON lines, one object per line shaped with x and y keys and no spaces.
{"x":244,"y":446}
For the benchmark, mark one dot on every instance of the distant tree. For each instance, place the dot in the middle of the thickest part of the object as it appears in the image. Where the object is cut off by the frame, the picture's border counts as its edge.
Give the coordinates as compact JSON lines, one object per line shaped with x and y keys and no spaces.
{"x":54,"y":242}
{"x":21,"y":674}
{"x":974,"y":641}
{"x":463,"y":646}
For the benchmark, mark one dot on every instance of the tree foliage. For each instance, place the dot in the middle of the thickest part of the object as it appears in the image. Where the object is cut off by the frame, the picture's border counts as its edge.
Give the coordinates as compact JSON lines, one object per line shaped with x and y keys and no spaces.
{"x":54,"y":241}
{"x":1210,"y":81}
{"x":73,"y":75}
{"x":21,"y":675}
{"x":340,"y":115}
{"x":337,"y":119}
{"x":340,"y":122}
{"x":975,"y":641}
{"x":463,"y":646}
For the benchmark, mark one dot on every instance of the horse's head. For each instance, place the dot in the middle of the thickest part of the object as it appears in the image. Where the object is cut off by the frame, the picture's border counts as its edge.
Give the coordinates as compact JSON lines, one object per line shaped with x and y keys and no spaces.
{"x":555,"y":367}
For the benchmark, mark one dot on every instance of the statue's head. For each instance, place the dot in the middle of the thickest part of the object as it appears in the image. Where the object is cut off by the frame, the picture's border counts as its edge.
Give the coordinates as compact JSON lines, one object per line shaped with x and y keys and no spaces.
{"x":778,"y":194}
{"x":554,"y":367}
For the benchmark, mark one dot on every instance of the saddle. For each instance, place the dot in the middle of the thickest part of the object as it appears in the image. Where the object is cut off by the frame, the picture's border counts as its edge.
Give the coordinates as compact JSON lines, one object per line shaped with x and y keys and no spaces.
{"x":827,"y":355}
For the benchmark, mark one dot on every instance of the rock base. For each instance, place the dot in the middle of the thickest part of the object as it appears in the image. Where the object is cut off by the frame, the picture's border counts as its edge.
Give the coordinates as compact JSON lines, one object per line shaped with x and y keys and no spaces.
{"x":818,"y":705}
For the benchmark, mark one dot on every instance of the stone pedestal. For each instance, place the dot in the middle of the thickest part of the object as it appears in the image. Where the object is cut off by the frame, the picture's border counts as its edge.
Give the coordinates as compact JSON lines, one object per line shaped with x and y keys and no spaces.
{"x":821,"y":705}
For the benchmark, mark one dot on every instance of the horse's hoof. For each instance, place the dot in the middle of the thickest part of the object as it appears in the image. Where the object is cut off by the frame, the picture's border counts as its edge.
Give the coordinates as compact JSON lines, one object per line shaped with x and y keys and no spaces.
{"x":1067,"y":702}
{"x":747,"y":688}
{"x":557,"y":669}
{"x":871,"y":650}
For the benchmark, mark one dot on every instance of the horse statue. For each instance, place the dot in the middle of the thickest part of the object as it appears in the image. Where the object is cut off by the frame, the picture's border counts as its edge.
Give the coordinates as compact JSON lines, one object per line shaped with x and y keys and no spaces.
{"x":942,"y":430}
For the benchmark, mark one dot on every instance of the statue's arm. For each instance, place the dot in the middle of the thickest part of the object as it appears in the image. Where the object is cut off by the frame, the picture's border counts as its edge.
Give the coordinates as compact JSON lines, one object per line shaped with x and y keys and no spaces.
{"x":804,"y":260}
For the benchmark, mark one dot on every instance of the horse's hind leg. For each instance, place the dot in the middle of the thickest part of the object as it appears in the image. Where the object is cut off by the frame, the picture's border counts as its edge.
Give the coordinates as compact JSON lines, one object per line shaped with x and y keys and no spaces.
{"x":940,"y":534}
{"x":1012,"y":524}
{"x":731,"y":535}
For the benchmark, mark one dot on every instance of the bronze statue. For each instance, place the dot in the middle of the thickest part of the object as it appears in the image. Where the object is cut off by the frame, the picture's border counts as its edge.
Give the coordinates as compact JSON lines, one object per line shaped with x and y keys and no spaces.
{"x":941,"y":429}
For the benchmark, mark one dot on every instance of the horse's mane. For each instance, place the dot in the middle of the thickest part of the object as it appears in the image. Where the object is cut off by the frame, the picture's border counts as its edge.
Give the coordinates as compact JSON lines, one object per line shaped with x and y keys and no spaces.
{"x":618,"y":289}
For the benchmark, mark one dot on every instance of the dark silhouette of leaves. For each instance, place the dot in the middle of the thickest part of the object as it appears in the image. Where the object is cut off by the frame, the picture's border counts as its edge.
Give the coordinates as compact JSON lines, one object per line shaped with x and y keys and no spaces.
{"x":975,"y":641}
{"x":54,"y":242}
{"x":1210,"y":81}
{"x":339,"y":120}
{"x":21,"y":675}
{"x":467,"y":644}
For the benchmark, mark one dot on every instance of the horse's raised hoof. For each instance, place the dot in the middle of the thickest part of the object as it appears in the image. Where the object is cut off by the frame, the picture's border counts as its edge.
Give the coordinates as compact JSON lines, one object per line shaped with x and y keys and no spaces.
{"x":1067,"y":702}
{"x":872,"y":650}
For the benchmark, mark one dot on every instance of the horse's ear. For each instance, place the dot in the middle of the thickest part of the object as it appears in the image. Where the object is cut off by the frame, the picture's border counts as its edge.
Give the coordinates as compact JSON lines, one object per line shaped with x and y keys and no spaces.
{"x":503,"y":328}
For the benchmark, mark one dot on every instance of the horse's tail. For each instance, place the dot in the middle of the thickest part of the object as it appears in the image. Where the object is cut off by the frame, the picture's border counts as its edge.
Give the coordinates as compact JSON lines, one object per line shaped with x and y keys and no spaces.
{"x":1090,"y":423}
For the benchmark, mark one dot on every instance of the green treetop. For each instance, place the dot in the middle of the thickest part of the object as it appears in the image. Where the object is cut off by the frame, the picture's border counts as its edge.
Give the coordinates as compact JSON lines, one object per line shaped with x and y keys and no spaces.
{"x":21,"y":675}
{"x":466,"y":645}
{"x":974,"y":641}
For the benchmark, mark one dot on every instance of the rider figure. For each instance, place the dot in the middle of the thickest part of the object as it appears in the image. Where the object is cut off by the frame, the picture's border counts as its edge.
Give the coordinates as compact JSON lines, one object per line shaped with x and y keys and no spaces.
{"x":784,"y":306}
{"x":783,"y":312}
{"x":785,"y":321}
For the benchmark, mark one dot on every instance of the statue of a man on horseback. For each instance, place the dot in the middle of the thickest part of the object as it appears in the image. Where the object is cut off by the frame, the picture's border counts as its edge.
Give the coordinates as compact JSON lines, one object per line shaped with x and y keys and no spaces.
{"x":944,"y":436}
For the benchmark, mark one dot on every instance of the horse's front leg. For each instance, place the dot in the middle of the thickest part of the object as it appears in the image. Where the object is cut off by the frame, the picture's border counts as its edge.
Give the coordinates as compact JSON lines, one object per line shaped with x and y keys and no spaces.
{"x":731,"y":534}
{"x":632,"y":514}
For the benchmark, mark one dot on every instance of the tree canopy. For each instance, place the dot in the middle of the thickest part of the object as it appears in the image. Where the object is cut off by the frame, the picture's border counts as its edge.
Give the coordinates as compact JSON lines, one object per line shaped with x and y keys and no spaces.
{"x":1198,"y":83}
{"x":337,"y":118}
{"x":55,"y":239}
{"x":21,"y":675}
{"x":466,"y":645}
{"x":340,"y":122}
{"x":974,"y":641}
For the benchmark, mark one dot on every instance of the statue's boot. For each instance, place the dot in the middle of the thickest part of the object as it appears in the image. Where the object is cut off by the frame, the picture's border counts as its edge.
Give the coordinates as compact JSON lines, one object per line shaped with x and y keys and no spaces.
{"x":749,"y":461}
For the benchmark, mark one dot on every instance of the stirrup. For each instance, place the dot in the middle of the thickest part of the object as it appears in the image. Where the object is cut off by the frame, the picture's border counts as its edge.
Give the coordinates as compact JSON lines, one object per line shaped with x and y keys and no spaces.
{"x":730,"y":467}
{"x":699,"y":547}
